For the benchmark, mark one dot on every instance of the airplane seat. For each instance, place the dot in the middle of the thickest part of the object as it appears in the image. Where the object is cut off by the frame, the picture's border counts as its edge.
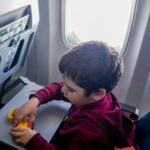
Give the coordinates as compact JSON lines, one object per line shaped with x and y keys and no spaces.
{"x":142,"y":130}
{"x":130,"y":111}
{"x":18,"y":26}
{"x":142,"y":133}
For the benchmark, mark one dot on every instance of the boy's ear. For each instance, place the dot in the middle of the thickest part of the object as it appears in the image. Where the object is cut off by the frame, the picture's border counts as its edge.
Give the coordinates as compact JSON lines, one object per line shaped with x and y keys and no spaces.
{"x":99,"y":94}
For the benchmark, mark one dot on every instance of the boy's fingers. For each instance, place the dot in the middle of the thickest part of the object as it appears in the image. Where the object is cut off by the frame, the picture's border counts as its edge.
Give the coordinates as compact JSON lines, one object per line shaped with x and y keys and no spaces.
{"x":17,"y":115}
{"x":32,"y":119}
{"x":29,"y":118}
{"x":16,"y":134}
{"x":16,"y":129}
{"x":18,"y":140}
{"x":15,"y":111}
{"x":16,"y":121}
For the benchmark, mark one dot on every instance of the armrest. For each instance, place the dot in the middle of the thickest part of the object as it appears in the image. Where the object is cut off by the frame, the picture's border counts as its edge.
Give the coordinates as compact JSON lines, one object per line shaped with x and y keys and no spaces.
{"x":130,"y":111}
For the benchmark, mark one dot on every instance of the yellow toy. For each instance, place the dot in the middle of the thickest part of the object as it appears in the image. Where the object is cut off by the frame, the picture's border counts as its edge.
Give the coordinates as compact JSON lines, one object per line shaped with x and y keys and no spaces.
{"x":10,"y":115}
{"x":21,"y":124}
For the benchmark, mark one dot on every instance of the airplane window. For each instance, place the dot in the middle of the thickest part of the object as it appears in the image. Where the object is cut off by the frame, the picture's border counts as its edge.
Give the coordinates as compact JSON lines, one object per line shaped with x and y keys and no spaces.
{"x":107,"y":20}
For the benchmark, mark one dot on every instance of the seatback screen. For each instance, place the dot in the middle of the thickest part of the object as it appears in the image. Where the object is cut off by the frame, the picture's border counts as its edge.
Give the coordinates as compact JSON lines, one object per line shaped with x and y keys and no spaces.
{"x":13,"y":28}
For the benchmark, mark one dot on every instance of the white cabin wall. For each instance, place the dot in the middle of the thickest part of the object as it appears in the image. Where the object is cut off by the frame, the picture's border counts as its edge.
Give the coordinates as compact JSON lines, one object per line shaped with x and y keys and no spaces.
{"x":48,"y":46}
{"x":131,"y":87}
{"x":57,"y":47}
{"x":141,"y":74}
{"x":37,"y":65}
{"x":145,"y":103}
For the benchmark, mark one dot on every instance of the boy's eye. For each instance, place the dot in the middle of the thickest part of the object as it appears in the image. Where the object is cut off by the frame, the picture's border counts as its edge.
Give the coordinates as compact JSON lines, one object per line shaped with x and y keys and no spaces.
{"x":70,"y":90}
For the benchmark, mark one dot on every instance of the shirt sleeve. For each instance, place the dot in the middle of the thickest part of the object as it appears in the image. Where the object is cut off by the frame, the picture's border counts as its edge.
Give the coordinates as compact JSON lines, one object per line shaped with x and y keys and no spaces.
{"x":37,"y":142}
{"x":88,"y":144}
{"x":50,"y":92}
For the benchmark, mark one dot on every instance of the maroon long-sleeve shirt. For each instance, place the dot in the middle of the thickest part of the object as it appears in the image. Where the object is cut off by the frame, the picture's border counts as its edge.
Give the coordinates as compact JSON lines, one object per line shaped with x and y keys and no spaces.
{"x":84,"y":128}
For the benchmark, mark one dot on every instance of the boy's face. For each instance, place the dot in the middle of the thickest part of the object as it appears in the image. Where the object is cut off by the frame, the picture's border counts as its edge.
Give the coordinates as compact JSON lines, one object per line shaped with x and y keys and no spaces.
{"x":74,"y":93}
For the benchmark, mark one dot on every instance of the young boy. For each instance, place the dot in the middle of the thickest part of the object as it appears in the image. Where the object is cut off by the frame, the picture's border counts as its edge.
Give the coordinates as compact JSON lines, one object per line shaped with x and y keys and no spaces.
{"x":89,"y":72}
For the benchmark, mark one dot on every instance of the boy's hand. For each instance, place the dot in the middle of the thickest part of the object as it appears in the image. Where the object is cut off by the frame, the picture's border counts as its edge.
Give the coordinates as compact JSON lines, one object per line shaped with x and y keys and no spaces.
{"x":26,"y":112}
{"x":22,"y":135}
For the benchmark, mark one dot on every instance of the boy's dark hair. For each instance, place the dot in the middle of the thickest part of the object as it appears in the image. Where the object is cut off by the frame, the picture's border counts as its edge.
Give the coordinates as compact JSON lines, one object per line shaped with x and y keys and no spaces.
{"x":92,"y":65}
